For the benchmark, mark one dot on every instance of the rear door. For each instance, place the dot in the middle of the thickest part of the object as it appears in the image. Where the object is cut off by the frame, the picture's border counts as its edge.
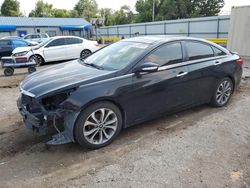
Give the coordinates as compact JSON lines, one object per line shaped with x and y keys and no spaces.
{"x":56,"y":50}
{"x":203,"y":68}
{"x":161,"y":91}
{"x":74,"y":46}
{"x":5,"y":48}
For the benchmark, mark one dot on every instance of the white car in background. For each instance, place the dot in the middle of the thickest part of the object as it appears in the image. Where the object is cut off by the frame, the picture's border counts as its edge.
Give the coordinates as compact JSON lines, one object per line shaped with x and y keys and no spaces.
{"x":38,"y":37}
{"x":56,"y":49}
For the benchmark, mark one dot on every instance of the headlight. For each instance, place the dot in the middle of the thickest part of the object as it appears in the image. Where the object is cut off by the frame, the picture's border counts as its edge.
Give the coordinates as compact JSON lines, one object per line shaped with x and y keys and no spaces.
{"x":53,"y":102}
{"x":20,"y":54}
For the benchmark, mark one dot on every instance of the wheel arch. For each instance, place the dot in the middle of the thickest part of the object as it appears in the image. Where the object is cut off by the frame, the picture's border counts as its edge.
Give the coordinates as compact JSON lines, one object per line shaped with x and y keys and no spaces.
{"x":36,"y":54}
{"x":233,"y":81}
{"x":87,"y":49}
{"x":99,"y":100}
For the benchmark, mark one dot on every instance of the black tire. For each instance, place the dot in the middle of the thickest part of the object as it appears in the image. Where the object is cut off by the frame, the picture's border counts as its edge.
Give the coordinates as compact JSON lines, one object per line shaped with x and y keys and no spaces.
{"x":85,"y":53}
{"x":9,"y":71}
{"x":227,"y":95}
{"x":38,"y":59}
{"x":81,"y":125}
{"x":31,"y":69}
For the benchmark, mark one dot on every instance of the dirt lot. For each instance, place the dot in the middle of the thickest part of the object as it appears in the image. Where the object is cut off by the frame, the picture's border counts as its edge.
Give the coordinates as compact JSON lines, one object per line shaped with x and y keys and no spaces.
{"x":201,"y":147}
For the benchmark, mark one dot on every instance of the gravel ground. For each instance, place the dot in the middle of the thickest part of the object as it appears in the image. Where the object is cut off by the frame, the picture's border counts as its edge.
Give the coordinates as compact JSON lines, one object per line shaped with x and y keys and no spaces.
{"x":200,"y":147}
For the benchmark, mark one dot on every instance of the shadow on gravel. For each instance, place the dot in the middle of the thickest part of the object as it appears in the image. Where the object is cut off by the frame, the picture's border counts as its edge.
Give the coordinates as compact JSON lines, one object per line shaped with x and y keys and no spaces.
{"x":22,"y":140}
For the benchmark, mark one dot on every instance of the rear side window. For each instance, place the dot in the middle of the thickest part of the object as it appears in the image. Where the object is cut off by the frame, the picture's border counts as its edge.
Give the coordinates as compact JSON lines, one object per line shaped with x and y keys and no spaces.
{"x":56,"y":42}
{"x":73,"y":41}
{"x":35,"y":36}
{"x":218,"y":52}
{"x":166,"y":55}
{"x":44,"y":36}
{"x":197,"y":50}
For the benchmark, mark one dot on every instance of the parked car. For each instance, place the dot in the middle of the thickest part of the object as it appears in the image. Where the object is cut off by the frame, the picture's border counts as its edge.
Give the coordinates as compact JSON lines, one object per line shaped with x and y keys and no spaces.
{"x":8,"y":45}
{"x":131,"y":81}
{"x":38,"y":37}
{"x":57,"y":49}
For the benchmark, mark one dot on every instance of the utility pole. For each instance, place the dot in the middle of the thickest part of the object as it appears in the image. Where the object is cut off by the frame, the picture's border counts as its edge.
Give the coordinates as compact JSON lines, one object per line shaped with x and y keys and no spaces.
{"x":153,"y":12}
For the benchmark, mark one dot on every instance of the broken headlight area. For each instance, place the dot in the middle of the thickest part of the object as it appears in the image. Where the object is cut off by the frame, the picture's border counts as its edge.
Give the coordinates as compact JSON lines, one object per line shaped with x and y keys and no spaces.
{"x":44,"y":116}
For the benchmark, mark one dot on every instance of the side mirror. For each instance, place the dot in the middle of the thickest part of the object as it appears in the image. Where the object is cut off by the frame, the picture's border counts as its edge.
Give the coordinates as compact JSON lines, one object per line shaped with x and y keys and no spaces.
{"x":146,"y":67}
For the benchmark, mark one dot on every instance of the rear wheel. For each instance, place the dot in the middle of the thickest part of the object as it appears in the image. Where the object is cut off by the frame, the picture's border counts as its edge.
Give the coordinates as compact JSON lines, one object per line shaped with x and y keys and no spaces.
{"x":9,"y":71}
{"x":85,"y":53}
{"x":223,"y":92}
{"x":98,"y":125}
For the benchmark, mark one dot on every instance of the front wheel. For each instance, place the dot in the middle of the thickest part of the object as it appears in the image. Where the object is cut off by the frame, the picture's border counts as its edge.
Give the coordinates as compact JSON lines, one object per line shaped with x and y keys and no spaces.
{"x":9,"y":71}
{"x":38,"y":59}
{"x":98,"y":125}
{"x":222,"y":93}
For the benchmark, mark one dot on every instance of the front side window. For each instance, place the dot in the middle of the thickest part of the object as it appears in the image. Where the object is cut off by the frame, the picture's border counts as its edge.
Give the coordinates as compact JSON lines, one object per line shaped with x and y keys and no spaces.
{"x":28,"y":37}
{"x":56,"y":42}
{"x":197,"y":50}
{"x":166,"y":55}
{"x":116,"y":56}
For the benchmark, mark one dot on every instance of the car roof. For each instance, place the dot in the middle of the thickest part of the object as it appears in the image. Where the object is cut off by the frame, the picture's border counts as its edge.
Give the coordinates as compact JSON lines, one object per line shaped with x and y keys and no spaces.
{"x":161,"y":38}
{"x":35,"y":34}
{"x":11,"y":39}
{"x":58,"y":37}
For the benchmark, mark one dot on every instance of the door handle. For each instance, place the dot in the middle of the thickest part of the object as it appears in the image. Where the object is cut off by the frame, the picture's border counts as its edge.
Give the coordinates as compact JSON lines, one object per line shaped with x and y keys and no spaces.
{"x":217,"y":62}
{"x":181,"y":74}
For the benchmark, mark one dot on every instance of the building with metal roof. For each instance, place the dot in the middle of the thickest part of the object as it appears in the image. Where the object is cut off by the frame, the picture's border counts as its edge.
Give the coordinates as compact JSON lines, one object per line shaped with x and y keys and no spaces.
{"x":19,"y":26}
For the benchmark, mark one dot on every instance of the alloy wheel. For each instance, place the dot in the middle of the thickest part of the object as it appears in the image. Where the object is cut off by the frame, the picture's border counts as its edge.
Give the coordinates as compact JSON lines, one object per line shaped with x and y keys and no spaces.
{"x":100,"y":126}
{"x":37,"y":59}
{"x":85,"y":53}
{"x":223,"y":92}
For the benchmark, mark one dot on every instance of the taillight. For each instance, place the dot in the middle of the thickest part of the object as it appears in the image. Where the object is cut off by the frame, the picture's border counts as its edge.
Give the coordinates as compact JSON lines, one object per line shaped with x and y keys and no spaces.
{"x":240,"y":61}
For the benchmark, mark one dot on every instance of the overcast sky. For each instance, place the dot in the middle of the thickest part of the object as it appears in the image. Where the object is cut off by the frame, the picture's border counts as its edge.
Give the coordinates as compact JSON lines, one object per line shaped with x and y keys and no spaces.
{"x":28,"y":5}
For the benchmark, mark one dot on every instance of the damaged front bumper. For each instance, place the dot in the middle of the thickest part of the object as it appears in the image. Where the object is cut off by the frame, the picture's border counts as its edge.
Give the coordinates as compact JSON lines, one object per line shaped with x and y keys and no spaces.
{"x":43,"y":122}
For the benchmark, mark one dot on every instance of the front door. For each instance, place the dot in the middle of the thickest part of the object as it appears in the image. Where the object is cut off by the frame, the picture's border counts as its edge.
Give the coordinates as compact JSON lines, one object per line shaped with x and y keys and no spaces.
{"x":161,"y":91}
{"x":56,"y":50}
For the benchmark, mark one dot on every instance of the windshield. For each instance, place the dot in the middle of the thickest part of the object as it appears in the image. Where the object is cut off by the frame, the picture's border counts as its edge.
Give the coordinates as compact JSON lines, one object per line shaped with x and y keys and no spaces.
{"x":116,"y":56}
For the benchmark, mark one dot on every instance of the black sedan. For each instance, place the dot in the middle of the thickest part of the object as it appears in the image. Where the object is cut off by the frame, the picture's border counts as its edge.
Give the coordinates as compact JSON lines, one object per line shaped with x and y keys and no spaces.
{"x":131,"y":81}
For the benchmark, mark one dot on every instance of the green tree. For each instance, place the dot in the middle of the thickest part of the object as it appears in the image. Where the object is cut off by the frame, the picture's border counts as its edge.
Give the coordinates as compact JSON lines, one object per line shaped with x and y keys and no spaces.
{"x":107,"y":15}
{"x":123,"y":16}
{"x":86,"y":8}
{"x":205,"y":8}
{"x":61,"y":13}
{"x":10,"y":8}
{"x":176,"y":9}
{"x":144,"y":9}
{"x":42,"y":10}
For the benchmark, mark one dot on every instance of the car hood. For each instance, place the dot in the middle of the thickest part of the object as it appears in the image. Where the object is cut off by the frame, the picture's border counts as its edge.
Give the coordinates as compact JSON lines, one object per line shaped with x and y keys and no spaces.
{"x":21,"y":49}
{"x":62,"y":77}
